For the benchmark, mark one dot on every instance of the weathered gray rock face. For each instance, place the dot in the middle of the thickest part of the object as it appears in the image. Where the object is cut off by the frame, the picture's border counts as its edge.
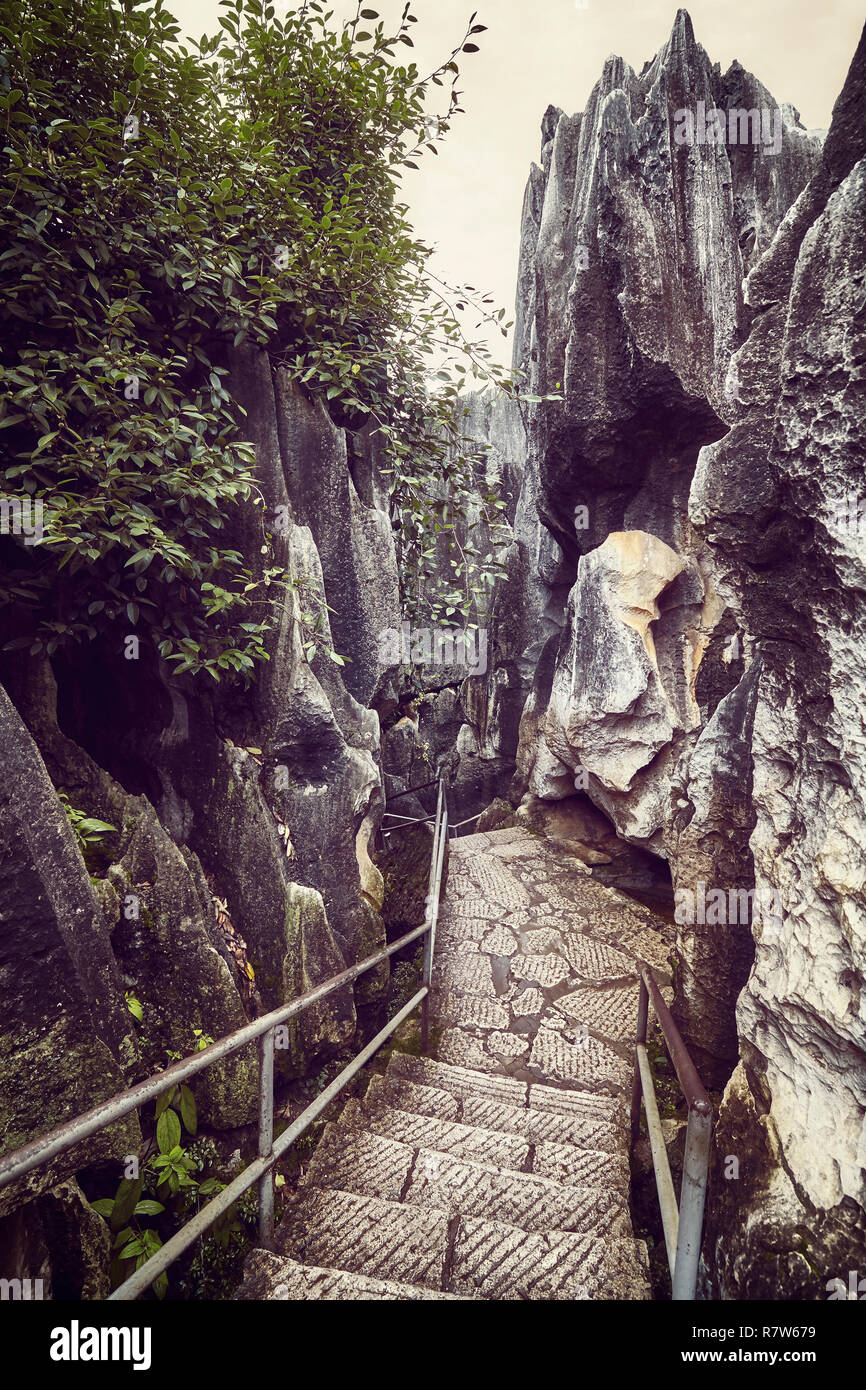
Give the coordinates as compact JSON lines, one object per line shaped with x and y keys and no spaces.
{"x":466,"y":723}
{"x":634,"y":248}
{"x":707,"y":841}
{"x":795,"y":572}
{"x":239,"y":872}
{"x":65,"y":1034}
{"x":633,"y":253}
{"x":610,"y":713}
{"x":700,"y":674}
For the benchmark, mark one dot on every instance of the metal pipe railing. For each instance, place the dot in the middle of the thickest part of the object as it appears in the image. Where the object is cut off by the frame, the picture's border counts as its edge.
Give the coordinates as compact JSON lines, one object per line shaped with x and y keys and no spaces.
{"x":661,"y":1167}
{"x":440,"y":839}
{"x":409,"y":790}
{"x":47,"y":1146}
{"x":263,"y":1030}
{"x":261,"y":1170}
{"x":683,"y":1225}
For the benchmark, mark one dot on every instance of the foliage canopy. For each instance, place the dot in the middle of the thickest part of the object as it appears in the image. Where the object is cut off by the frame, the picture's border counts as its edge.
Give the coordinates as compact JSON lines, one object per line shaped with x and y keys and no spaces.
{"x":166,"y":203}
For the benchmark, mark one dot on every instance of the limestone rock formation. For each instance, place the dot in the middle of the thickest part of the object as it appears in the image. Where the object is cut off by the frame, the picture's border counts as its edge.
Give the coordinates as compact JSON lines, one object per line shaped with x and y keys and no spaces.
{"x":794,"y":570}
{"x":65,"y":1034}
{"x":694,"y":594}
{"x":237,"y":873}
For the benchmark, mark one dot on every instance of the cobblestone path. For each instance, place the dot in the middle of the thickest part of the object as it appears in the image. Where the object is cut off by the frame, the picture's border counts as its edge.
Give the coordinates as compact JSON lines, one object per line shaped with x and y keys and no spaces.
{"x":500,"y":1170}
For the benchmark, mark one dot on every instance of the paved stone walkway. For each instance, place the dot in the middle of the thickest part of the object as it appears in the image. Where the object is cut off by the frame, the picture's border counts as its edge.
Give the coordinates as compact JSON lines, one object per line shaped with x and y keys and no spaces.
{"x":500,"y":1170}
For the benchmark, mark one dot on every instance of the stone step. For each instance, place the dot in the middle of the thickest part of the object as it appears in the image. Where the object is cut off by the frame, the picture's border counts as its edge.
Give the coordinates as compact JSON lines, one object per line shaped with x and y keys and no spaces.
{"x":424,"y":1132}
{"x":582,"y":1131}
{"x":366,"y":1235}
{"x":563,"y":1163}
{"x":579,"y":1129}
{"x":269,"y":1277}
{"x":517,"y":1199}
{"x":506,"y":1090}
{"x":560,"y":1162}
{"x":464,"y":845}
{"x":471,"y":1257}
{"x":488,"y":839}
{"x":496,"y":1261}
{"x":459,"y":1081}
{"x":561,"y":1101}
{"x":358,"y":1161}
{"x":418,"y":1100}
{"x":373,"y":1166}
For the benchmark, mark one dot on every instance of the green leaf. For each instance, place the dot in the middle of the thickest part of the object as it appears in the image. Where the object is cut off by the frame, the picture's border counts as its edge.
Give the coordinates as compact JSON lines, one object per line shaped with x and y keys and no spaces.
{"x":125,"y":1199}
{"x":148,"y":1208}
{"x":188,"y":1111}
{"x":164,"y":1100}
{"x":168,"y":1131}
{"x":43,"y":440}
{"x":86,"y":257}
{"x":139,"y":62}
{"x":99,"y":826}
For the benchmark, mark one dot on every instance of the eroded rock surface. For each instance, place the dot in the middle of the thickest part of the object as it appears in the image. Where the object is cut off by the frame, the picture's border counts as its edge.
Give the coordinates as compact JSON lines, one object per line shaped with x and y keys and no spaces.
{"x":700,"y":308}
{"x":238,"y":872}
{"x":794,"y":573}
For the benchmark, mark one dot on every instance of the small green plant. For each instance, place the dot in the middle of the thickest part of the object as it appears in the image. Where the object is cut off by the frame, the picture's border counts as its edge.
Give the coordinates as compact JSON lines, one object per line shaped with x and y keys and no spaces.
{"x":168,"y":1177}
{"x":129,"y":1239}
{"x":217,"y":1266}
{"x":315,"y":629}
{"x":87,"y":829}
{"x":134,"y":1005}
{"x":201,"y":1040}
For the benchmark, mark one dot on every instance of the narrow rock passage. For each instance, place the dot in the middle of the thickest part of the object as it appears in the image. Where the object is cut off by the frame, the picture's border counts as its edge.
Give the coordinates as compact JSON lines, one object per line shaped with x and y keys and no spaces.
{"x":499,"y":1170}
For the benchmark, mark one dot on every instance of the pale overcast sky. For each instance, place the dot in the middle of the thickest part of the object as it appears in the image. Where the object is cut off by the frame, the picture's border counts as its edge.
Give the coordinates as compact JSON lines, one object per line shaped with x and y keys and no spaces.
{"x":468,"y":200}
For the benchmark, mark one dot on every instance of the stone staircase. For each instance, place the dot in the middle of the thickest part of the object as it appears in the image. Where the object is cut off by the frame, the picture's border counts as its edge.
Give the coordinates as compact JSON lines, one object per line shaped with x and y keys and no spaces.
{"x":444,"y":1182}
{"x":507,"y":1178}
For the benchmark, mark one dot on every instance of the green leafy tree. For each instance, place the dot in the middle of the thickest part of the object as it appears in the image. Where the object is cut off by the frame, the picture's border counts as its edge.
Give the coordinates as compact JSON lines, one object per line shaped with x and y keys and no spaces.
{"x":165,"y":203}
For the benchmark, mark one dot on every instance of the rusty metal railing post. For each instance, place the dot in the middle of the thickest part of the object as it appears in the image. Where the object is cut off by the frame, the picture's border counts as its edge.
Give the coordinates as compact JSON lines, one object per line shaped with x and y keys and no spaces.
{"x":439,"y":837}
{"x":683,"y":1226}
{"x":640,"y":1041}
{"x":267,"y":1043}
{"x":693,"y":1194}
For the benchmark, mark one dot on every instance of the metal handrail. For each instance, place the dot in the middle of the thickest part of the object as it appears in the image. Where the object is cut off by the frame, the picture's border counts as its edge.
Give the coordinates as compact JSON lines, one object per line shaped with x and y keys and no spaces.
{"x":409,"y":790}
{"x":683,"y":1225}
{"x":406,"y":821}
{"x":433,"y":887}
{"x":40,"y":1151}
